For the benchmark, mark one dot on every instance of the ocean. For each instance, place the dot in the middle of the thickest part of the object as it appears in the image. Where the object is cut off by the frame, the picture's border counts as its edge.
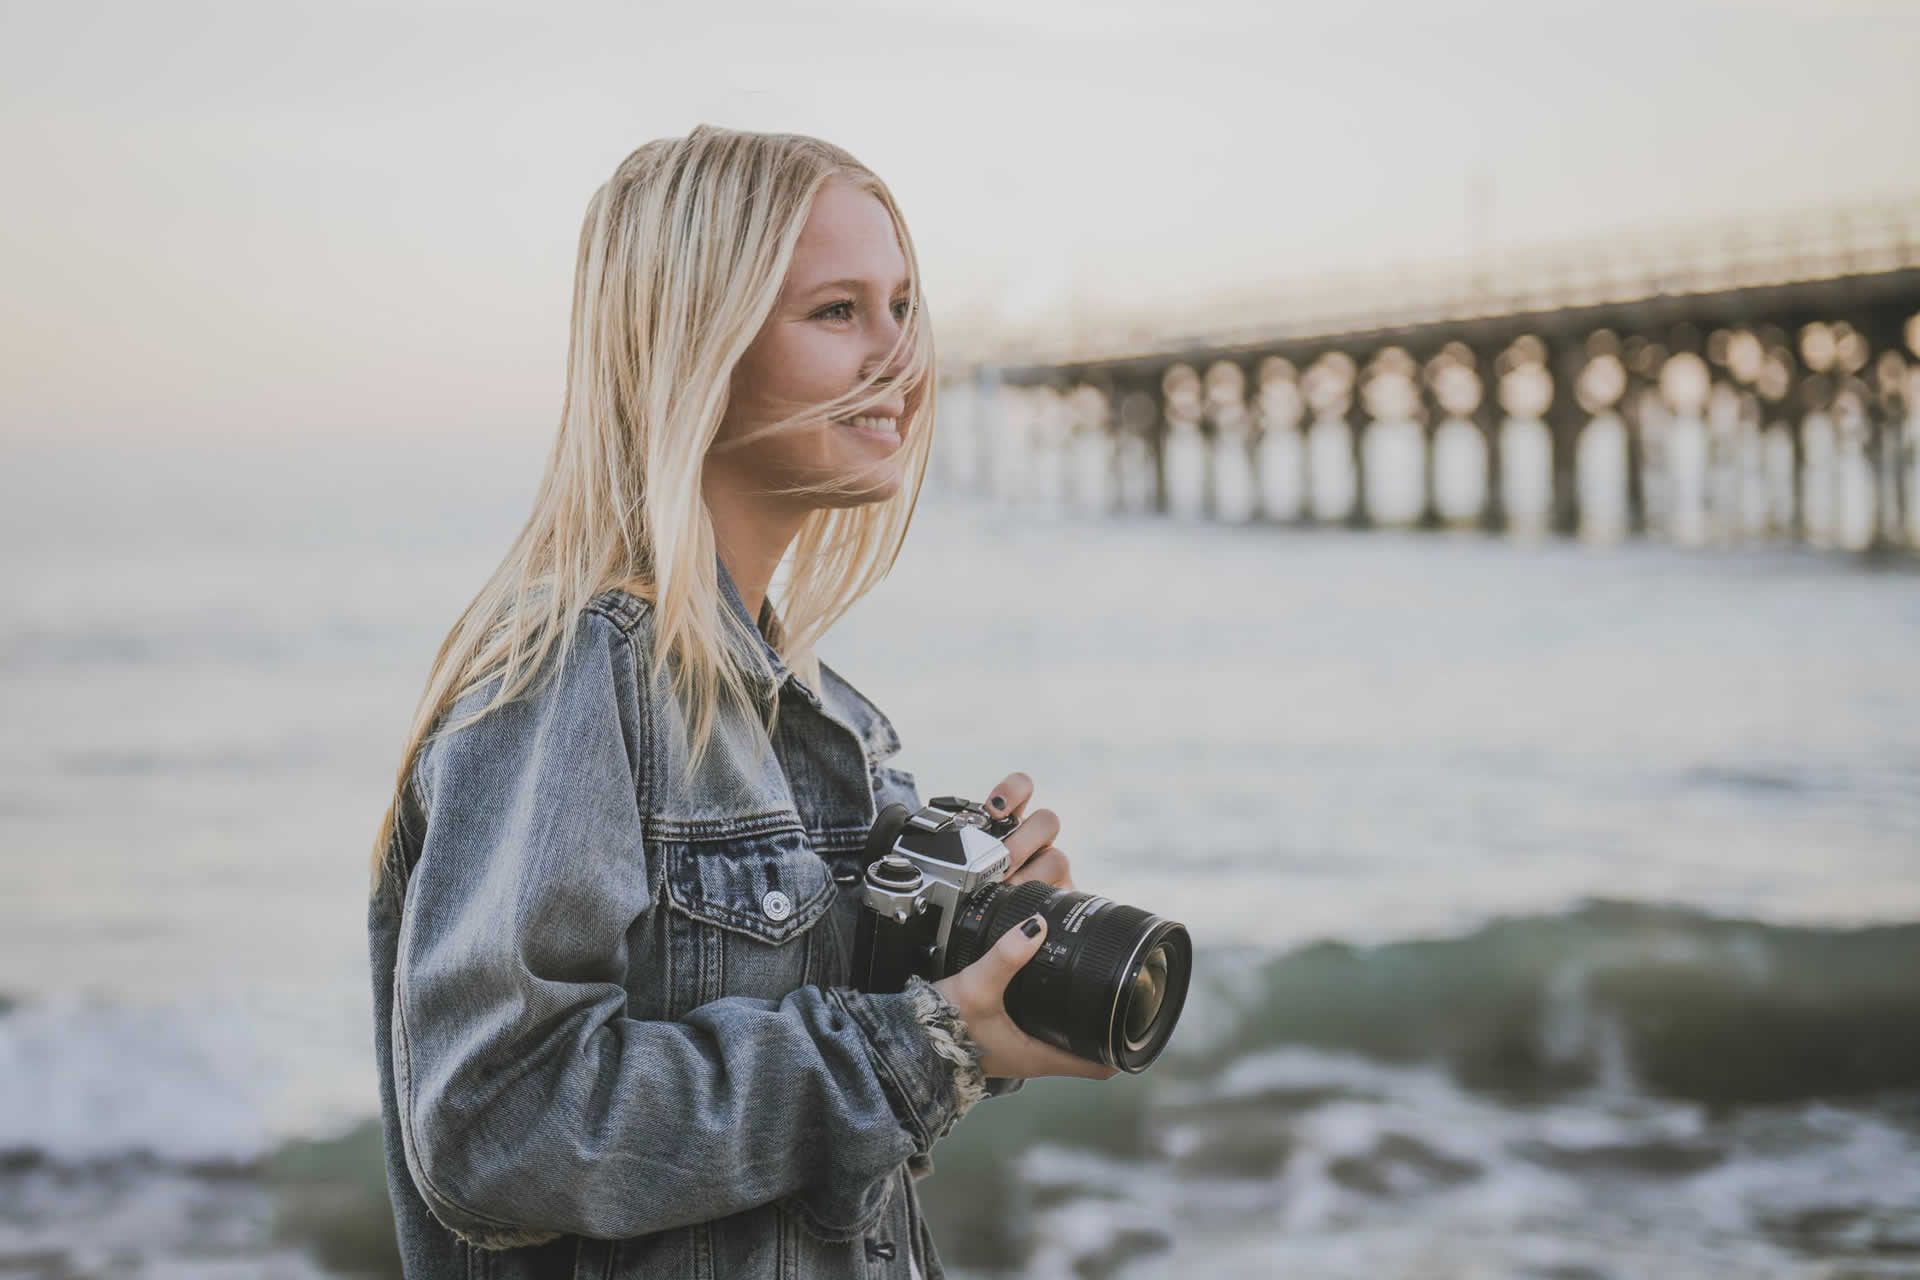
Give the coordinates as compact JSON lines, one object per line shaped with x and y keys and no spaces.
{"x":1557,"y":906}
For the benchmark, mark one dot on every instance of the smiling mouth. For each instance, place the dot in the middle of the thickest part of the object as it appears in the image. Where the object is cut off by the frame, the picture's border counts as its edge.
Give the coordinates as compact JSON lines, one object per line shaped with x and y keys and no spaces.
{"x":873,"y":425}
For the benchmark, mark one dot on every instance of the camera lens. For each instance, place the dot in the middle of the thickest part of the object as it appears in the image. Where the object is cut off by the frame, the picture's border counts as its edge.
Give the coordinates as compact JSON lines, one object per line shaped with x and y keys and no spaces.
{"x":1107,"y":986}
{"x":1149,"y":992}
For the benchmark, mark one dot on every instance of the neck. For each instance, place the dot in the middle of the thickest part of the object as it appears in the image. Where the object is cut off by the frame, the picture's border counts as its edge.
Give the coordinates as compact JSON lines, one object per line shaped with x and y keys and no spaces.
{"x":751,"y":534}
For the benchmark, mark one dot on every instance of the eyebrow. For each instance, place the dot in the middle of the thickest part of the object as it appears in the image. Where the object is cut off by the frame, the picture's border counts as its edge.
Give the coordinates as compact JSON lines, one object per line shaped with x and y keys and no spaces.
{"x":851,"y":283}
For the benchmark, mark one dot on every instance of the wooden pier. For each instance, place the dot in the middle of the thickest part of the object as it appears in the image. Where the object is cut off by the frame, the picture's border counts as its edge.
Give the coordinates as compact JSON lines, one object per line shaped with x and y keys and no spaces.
{"x":1726,"y":383}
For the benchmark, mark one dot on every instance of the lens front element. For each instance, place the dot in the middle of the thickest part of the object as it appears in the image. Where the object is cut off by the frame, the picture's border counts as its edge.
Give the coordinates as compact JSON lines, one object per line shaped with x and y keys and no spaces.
{"x":1148,"y":993}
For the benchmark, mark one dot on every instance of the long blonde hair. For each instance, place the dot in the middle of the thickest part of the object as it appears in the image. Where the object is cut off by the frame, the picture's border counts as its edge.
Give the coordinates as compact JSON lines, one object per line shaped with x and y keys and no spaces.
{"x":682,"y":256}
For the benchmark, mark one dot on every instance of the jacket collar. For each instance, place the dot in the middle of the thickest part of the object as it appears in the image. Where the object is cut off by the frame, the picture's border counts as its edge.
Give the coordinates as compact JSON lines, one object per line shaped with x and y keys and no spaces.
{"x":753,"y":647}
{"x":875,"y":731}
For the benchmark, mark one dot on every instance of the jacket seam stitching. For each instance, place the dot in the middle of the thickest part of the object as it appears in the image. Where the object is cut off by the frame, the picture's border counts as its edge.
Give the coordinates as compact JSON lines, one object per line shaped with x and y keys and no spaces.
{"x":832,"y":1233}
{"x":695,"y":829}
{"x":625,"y":626}
{"x":642,"y":769}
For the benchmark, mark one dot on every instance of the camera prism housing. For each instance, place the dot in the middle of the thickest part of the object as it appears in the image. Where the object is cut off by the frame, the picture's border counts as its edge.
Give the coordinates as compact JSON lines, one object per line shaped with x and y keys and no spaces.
{"x":1108,"y":983}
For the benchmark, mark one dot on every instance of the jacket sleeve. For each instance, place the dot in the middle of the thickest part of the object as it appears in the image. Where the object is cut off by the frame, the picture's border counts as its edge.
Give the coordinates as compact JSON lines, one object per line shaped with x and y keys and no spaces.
{"x":530,"y":1104}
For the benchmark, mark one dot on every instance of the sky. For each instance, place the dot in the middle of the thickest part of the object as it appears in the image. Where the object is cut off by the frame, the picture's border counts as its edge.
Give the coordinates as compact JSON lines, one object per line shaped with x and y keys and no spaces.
{"x":254,"y":218}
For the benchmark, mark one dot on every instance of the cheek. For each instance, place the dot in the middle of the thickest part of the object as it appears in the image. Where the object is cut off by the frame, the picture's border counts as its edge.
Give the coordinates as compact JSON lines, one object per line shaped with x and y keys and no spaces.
{"x":798,"y":449}
{"x":813,"y":365}
{"x":757,"y":383}
{"x":783,"y":373}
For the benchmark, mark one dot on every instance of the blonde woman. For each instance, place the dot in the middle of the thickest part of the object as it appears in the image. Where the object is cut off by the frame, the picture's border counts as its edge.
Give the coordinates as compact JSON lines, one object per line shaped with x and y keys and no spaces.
{"x":615,"y":892}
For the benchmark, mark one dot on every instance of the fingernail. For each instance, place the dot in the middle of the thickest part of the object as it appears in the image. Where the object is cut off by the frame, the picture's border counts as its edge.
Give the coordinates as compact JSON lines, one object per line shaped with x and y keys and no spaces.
{"x":998,"y":802}
{"x":1032,"y":927}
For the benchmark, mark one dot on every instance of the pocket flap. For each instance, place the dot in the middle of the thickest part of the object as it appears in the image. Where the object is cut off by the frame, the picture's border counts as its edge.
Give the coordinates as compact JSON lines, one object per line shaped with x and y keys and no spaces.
{"x":770,"y":885}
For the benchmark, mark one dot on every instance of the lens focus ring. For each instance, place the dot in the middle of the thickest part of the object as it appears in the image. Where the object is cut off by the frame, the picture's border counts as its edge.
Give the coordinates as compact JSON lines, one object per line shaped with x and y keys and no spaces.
{"x":1005,"y":905}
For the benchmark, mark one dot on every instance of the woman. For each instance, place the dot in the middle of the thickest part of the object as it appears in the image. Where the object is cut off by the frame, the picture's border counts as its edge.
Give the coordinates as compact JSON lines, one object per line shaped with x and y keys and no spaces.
{"x":616,"y":890}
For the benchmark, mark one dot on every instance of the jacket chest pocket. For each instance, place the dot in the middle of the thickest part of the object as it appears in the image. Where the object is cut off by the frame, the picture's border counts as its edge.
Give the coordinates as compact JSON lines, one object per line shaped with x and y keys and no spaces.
{"x":742,"y":912}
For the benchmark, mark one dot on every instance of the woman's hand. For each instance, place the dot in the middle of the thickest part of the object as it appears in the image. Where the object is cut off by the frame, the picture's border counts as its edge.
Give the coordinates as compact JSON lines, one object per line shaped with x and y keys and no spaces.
{"x":979,"y":990}
{"x":1035,"y":856}
{"x":979,"y":993}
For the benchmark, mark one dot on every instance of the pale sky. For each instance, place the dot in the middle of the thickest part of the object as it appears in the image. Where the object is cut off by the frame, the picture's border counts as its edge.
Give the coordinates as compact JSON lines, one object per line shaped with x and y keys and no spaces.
{"x":257,"y":218}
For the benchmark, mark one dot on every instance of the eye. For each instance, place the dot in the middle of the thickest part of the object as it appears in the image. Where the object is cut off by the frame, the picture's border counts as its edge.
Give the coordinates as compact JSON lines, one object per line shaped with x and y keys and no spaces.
{"x":843,"y":310}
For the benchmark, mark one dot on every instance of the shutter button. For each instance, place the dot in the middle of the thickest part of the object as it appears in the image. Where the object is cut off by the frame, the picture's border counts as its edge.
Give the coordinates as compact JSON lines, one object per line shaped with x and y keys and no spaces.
{"x":777,"y":905}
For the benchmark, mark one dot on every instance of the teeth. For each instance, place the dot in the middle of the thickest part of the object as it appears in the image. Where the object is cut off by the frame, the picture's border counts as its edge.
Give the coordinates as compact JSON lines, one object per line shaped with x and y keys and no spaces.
{"x":875,"y":424}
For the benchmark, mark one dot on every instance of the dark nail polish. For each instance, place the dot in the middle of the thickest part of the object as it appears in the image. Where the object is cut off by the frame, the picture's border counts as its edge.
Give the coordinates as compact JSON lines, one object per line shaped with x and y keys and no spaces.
{"x":998,"y":802}
{"x":1032,"y":927}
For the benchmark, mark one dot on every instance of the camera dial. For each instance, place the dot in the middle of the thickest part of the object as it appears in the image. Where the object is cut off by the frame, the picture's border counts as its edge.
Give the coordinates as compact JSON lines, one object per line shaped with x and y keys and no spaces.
{"x":894,"y":886}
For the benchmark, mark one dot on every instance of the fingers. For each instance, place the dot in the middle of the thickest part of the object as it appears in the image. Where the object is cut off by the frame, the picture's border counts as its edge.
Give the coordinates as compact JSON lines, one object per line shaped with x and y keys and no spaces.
{"x":1010,"y":795}
{"x":1032,"y":835}
{"x":1035,"y":831}
{"x":1050,"y":865}
{"x":1010,"y":952}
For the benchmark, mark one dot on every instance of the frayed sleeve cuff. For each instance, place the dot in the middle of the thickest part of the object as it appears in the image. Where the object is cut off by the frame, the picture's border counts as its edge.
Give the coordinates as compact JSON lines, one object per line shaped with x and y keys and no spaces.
{"x":926,"y":1061}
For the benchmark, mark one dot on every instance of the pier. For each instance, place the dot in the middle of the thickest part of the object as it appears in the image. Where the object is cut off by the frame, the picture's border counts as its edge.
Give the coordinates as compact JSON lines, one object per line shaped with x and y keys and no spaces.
{"x":1720,"y":383}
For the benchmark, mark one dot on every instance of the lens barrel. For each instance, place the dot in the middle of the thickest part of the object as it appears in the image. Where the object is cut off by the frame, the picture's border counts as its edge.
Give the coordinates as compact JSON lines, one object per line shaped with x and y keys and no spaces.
{"x":1109,"y":982}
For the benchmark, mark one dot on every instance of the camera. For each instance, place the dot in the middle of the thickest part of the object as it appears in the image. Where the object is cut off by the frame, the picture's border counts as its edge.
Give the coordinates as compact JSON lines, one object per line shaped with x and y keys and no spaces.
{"x":1107,"y":985}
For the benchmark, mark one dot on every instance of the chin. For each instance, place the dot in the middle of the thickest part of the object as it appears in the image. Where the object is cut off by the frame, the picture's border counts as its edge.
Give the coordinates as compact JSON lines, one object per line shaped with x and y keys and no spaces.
{"x":871,"y":496}
{"x":878,"y":492}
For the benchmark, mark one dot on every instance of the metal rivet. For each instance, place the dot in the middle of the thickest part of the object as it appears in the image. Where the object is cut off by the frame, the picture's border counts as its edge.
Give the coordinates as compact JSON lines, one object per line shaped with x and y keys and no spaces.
{"x":777,"y":905}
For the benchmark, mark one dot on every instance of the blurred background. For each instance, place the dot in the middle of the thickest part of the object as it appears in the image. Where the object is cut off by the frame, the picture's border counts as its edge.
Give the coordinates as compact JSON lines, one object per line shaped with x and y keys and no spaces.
{"x":1443,"y":489}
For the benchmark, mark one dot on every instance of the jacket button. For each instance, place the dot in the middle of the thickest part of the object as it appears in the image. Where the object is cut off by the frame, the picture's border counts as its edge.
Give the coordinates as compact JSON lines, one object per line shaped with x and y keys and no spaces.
{"x":777,"y":905}
{"x":880,"y":1248}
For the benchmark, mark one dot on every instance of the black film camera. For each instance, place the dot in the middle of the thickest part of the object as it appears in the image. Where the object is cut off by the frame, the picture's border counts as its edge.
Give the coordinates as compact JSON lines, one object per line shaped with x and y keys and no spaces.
{"x":1109,"y":981}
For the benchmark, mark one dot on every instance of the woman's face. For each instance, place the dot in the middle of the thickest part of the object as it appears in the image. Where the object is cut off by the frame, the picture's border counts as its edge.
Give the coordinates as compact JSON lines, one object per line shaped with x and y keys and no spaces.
{"x":840,"y":311}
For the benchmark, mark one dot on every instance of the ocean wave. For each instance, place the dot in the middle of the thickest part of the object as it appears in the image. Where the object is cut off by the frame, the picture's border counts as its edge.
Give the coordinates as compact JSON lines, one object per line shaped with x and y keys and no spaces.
{"x":1304,"y":1161}
{"x":1662,"y":1002}
{"x":144,"y":1138}
{"x":89,"y":1082}
{"x":1666,"y":1000}
{"x":1615,"y":1090}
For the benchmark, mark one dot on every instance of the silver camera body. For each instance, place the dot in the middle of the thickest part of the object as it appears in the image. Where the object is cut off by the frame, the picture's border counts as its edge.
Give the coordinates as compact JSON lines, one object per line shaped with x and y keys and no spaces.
{"x":920,"y":882}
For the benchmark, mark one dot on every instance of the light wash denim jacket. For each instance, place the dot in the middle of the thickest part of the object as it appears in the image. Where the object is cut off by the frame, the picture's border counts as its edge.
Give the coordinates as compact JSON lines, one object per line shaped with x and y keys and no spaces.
{"x":611,"y":1015}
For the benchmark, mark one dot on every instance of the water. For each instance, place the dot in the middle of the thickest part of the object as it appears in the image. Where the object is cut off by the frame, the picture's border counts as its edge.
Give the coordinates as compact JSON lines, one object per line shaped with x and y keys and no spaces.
{"x":1556,"y":905}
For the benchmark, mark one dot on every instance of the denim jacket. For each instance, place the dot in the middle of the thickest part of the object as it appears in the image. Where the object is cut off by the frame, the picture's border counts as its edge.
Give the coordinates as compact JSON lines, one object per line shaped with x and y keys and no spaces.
{"x":612,"y":1020}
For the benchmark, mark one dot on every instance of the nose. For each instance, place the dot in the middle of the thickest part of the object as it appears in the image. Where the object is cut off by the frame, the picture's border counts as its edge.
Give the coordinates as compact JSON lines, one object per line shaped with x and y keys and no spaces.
{"x":890,"y":363}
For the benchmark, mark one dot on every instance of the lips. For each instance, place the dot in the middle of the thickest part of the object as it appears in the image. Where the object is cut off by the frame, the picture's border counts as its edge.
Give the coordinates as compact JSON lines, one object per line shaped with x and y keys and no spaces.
{"x":874,"y":423}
